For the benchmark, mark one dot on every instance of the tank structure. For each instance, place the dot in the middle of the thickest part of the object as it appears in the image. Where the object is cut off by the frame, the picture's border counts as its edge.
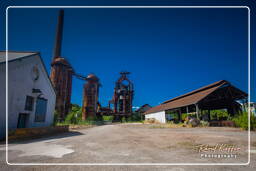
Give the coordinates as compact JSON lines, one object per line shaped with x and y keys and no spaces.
{"x":90,"y":105}
{"x":123,"y":97}
{"x":61,"y":74}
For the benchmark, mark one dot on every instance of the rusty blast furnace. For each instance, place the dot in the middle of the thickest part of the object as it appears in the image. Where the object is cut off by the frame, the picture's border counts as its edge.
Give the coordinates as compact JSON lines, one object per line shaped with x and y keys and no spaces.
{"x":90,"y":97}
{"x":61,"y":74}
{"x":123,"y":96}
{"x":61,"y":78}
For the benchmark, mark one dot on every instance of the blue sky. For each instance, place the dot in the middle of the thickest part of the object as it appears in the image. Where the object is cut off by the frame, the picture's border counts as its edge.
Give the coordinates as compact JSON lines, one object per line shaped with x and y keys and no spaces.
{"x":168,"y":51}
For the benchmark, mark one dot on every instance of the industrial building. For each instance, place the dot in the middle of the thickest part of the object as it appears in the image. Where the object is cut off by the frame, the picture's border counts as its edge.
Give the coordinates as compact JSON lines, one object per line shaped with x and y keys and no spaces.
{"x":61,"y":76}
{"x":122,"y":98}
{"x":90,"y":97}
{"x":219,"y":95}
{"x":31,"y":96}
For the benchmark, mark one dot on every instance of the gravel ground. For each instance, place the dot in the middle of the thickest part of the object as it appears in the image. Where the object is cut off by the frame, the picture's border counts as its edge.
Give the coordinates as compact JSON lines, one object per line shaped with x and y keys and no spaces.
{"x":131,"y":143}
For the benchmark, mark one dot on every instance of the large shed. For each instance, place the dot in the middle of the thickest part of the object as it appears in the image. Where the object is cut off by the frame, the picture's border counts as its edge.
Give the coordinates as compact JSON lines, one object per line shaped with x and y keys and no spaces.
{"x":218,"y":95}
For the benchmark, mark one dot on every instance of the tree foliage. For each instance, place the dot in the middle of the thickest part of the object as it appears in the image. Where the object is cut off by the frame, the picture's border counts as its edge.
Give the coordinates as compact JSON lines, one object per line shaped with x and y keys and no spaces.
{"x":220,"y":115}
{"x":75,"y":115}
{"x":241,"y":120}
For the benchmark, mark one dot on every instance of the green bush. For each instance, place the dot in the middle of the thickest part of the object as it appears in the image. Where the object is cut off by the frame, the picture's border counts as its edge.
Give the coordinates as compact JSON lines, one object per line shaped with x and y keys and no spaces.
{"x":220,"y":115}
{"x":55,"y":118}
{"x":86,"y":122}
{"x":108,"y":118}
{"x":204,"y":123}
{"x":135,"y":117}
{"x":183,"y":116}
{"x":75,"y":115}
{"x":241,"y":120}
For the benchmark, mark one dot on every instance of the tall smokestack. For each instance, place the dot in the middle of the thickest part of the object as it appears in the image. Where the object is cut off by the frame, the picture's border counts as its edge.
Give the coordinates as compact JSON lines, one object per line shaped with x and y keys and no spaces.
{"x":59,"y":31}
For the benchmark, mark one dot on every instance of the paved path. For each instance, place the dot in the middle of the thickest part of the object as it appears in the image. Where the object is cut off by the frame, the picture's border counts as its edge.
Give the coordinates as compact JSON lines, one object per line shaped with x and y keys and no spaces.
{"x":129,"y":143}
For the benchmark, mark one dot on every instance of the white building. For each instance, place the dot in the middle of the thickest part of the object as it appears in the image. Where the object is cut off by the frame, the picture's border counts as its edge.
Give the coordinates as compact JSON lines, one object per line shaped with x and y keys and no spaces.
{"x":159,"y":116}
{"x":31,"y":97}
{"x":252,"y":107}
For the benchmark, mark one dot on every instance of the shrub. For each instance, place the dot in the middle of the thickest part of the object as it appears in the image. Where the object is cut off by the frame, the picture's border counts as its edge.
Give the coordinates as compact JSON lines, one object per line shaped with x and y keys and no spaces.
{"x":86,"y":122}
{"x":194,"y":122}
{"x":184,"y":116}
{"x":151,"y":121}
{"x":126,"y":120}
{"x":136,"y":116}
{"x":220,"y":114}
{"x":108,"y":118}
{"x":204,"y":123}
{"x":55,"y":118}
{"x":75,"y":115}
{"x":241,"y":120}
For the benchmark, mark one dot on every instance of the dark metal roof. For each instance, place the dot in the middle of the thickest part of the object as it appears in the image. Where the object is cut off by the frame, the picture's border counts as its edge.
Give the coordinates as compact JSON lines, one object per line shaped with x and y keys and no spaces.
{"x":14,"y":55}
{"x":190,"y":98}
{"x":198,"y":90}
{"x":143,"y":107}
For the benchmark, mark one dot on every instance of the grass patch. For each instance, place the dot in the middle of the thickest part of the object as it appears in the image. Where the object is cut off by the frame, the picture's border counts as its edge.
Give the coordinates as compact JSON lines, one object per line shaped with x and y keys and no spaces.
{"x":86,"y":122}
{"x":169,"y":125}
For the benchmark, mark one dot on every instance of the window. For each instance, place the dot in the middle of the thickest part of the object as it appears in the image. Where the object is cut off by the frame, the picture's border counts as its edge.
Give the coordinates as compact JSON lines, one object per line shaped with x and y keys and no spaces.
{"x":22,"y":120}
{"x":41,"y":108}
{"x":29,"y":103}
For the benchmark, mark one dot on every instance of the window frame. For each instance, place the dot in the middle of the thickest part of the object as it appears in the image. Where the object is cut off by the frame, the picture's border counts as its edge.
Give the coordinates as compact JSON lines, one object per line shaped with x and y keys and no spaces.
{"x":27,"y":106}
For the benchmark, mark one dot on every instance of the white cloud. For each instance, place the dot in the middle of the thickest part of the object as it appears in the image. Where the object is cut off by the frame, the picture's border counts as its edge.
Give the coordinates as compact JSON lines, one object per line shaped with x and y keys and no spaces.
{"x":135,"y":107}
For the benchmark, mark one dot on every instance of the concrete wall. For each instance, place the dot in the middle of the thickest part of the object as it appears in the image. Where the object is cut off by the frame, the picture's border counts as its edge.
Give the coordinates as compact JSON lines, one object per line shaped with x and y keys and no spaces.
{"x":23,"y":133}
{"x":159,"y":116}
{"x":20,"y":85}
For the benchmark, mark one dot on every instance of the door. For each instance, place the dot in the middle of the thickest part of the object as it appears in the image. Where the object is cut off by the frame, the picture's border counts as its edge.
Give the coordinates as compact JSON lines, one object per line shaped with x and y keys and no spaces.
{"x":22,"y":120}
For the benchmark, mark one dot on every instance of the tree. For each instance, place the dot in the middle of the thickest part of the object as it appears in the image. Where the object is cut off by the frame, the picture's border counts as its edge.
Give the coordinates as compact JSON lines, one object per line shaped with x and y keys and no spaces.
{"x":75,"y":115}
{"x":220,"y":114}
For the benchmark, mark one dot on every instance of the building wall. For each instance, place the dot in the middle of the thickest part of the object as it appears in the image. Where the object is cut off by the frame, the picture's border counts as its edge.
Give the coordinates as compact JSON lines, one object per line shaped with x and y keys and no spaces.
{"x":2,"y":100}
{"x":159,"y":116}
{"x":20,"y":85}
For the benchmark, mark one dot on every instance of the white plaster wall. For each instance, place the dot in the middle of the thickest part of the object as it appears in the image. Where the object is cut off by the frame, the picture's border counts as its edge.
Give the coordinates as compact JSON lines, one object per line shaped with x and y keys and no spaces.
{"x":20,"y":84}
{"x":159,"y":116}
{"x":2,"y":100}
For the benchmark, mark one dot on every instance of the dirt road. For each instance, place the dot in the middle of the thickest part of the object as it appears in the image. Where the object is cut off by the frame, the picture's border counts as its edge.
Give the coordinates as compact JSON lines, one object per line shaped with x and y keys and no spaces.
{"x":133,"y":143}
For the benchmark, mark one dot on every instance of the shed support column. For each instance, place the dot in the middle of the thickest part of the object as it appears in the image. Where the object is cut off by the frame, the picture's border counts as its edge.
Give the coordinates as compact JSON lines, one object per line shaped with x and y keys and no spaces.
{"x":179,"y":115}
{"x":197,"y":111}
{"x":244,"y":105}
{"x":209,"y":115}
{"x":187,"y":109}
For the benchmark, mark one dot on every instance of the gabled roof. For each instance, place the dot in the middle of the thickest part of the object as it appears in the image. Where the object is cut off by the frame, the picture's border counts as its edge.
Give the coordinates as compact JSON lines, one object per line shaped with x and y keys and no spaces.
{"x":142,"y":107}
{"x":14,"y":55}
{"x":213,"y":85}
{"x":190,"y":98}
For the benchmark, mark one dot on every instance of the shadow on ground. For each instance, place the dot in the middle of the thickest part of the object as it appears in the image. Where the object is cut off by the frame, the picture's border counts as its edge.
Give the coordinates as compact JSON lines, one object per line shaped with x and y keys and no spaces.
{"x":46,"y":137}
